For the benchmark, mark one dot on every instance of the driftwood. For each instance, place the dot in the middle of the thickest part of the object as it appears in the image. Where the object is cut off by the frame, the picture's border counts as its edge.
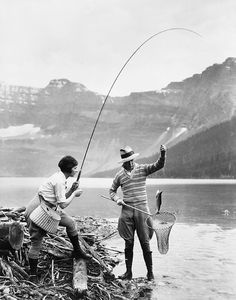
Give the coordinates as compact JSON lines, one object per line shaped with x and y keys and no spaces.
{"x":62,"y":277}
{"x":11,"y":235}
{"x":6,"y":270}
{"x":12,"y":213}
{"x":94,"y":254}
{"x":18,"y":269}
{"x":80,"y":277}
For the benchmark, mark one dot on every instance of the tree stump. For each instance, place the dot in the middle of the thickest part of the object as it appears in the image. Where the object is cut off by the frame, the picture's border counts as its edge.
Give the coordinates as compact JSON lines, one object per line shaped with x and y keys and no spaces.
{"x":11,"y":236}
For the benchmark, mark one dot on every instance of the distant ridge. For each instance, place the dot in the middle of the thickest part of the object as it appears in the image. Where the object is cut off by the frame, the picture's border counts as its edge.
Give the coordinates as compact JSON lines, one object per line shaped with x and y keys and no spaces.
{"x":61,"y":116}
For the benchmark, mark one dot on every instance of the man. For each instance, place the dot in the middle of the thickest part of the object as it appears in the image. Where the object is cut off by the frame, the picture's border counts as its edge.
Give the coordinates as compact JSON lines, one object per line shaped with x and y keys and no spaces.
{"x":53,"y":194}
{"x":132,"y":180}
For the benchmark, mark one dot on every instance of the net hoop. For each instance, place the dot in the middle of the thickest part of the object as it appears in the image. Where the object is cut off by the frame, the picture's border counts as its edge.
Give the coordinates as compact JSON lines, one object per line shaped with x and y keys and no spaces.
{"x":161,"y":224}
{"x":162,"y":220}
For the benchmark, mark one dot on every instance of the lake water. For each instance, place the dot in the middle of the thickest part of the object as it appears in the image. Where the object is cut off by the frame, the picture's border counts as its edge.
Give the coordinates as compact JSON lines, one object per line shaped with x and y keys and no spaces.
{"x":201,"y":262}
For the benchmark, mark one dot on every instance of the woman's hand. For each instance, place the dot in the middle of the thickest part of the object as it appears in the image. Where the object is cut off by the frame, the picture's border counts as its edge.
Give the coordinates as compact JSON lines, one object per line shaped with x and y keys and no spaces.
{"x":74,"y":186}
{"x":78,"y":192}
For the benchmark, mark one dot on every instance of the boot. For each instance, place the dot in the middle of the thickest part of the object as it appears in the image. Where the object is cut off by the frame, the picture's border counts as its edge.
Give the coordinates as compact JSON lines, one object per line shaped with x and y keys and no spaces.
{"x":33,"y":270}
{"x":128,"y":261}
{"x":148,"y":260}
{"x":78,"y":252}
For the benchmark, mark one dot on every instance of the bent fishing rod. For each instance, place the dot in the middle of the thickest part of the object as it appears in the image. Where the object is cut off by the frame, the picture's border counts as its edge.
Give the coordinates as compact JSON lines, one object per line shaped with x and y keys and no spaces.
{"x":113,"y":83}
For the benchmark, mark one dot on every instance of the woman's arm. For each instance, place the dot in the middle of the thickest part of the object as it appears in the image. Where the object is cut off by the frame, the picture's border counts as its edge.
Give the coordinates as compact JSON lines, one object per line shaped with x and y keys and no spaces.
{"x":76,"y":193}
{"x":63,"y":198}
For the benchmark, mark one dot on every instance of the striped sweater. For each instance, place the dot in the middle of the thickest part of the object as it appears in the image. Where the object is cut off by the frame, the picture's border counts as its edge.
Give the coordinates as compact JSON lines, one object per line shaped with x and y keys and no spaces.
{"x":133,"y":185}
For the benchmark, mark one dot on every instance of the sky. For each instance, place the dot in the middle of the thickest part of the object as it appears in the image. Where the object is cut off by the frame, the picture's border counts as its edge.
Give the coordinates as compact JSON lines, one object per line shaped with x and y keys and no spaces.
{"x":89,"y":41}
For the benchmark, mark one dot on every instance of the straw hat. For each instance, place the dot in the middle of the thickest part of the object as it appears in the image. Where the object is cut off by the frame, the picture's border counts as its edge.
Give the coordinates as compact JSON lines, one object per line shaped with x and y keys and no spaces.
{"x":127,"y":154}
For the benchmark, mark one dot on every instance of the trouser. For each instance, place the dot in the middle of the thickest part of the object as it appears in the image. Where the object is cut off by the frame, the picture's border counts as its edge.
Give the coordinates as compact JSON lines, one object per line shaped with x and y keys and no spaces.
{"x":37,"y":234}
{"x":129,"y":245}
{"x":130,"y":221}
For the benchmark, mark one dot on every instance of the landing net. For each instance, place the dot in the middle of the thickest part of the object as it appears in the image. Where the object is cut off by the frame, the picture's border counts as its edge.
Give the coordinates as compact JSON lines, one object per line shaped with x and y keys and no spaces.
{"x":161,"y":224}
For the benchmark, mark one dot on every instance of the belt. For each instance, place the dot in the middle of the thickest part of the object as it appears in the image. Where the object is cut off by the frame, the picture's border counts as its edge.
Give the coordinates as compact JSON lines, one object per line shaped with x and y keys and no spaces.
{"x":47,"y":203}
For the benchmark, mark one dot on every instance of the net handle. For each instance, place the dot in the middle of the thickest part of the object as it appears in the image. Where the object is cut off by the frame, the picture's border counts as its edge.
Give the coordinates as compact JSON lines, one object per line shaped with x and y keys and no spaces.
{"x":135,"y":208}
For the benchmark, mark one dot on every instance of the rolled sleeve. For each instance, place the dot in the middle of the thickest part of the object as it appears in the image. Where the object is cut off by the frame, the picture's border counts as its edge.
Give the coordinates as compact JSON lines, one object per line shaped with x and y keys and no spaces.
{"x":113,"y":189}
{"x":159,"y":164}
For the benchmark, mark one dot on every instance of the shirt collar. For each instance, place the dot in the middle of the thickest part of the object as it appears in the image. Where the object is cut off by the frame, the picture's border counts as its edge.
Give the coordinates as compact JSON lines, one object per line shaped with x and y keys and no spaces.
{"x":62,"y":175}
{"x":130,"y":173}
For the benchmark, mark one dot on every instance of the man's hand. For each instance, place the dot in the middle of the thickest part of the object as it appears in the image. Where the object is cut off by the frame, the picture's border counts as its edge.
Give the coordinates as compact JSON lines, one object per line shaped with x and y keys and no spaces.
{"x":120,"y":202}
{"x":163,"y":150}
{"x":78,"y":192}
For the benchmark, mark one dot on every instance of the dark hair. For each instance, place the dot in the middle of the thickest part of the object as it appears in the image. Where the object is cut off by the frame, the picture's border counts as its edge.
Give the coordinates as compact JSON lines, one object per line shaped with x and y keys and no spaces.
{"x":67,"y":163}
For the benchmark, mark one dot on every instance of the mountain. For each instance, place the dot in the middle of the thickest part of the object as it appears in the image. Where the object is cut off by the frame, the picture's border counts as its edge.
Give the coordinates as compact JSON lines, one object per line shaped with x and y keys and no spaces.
{"x":210,"y":153}
{"x":39,"y":125}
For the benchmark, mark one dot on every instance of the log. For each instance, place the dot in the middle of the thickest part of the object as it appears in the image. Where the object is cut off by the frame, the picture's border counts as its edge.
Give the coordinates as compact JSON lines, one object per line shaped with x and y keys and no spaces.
{"x":18,"y":269}
{"x":16,"y":235}
{"x":11,"y":235}
{"x":57,"y":249}
{"x":95,"y":255}
{"x":19,"y":209}
{"x":80,"y":277}
{"x":15,"y":214}
{"x":6,"y":269}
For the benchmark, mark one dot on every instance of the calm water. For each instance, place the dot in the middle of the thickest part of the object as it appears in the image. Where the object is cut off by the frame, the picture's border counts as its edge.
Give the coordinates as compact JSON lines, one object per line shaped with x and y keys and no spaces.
{"x":194,"y":201}
{"x":201,"y":262}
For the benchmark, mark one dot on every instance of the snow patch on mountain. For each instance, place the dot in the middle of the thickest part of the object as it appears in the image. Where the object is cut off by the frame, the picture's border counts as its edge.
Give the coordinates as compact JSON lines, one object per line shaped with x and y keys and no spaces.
{"x":26,"y":130}
{"x":169,"y":136}
{"x":167,"y":91}
{"x":176,"y":134}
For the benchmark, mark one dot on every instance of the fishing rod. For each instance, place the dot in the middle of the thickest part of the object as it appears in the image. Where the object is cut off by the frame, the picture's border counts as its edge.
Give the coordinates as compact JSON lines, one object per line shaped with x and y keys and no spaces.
{"x":113,"y":83}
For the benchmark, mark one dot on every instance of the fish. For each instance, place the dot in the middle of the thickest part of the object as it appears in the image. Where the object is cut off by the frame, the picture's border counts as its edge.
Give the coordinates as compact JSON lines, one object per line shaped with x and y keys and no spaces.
{"x":158,"y":201}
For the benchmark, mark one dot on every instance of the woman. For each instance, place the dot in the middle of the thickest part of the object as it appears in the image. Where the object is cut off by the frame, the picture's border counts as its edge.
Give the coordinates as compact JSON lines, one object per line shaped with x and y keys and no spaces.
{"x":53,"y":194}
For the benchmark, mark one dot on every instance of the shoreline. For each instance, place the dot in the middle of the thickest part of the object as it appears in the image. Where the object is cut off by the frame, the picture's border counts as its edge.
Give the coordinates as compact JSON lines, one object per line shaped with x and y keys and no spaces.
{"x":197,"y":253}
{"x":94,"y":182}
{"x":56,"y":265}
{"x":202,"y":254}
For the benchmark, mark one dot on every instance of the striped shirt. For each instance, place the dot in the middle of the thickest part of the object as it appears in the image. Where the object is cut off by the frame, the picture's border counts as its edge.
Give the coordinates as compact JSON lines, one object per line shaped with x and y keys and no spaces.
{"x":133,"y":184}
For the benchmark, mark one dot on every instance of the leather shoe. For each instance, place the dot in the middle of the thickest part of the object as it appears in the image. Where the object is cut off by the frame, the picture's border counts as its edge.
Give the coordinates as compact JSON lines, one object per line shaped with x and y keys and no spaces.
{"x":80,"y":254}
{"x":126,"y":276}
{"x":150,"y":276}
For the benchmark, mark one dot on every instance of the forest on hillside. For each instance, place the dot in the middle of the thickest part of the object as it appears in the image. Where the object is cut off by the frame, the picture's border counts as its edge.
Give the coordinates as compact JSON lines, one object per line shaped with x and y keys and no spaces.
{"x":208,"y":154}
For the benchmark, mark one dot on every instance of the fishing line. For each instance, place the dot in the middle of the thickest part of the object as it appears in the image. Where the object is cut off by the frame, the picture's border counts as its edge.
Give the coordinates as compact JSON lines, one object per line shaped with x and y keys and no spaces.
{"x":127,"y":61}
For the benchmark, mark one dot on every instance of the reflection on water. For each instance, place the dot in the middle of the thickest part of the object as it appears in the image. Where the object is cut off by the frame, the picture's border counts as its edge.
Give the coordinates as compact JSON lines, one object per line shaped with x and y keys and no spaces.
{"x":201,"y":261}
